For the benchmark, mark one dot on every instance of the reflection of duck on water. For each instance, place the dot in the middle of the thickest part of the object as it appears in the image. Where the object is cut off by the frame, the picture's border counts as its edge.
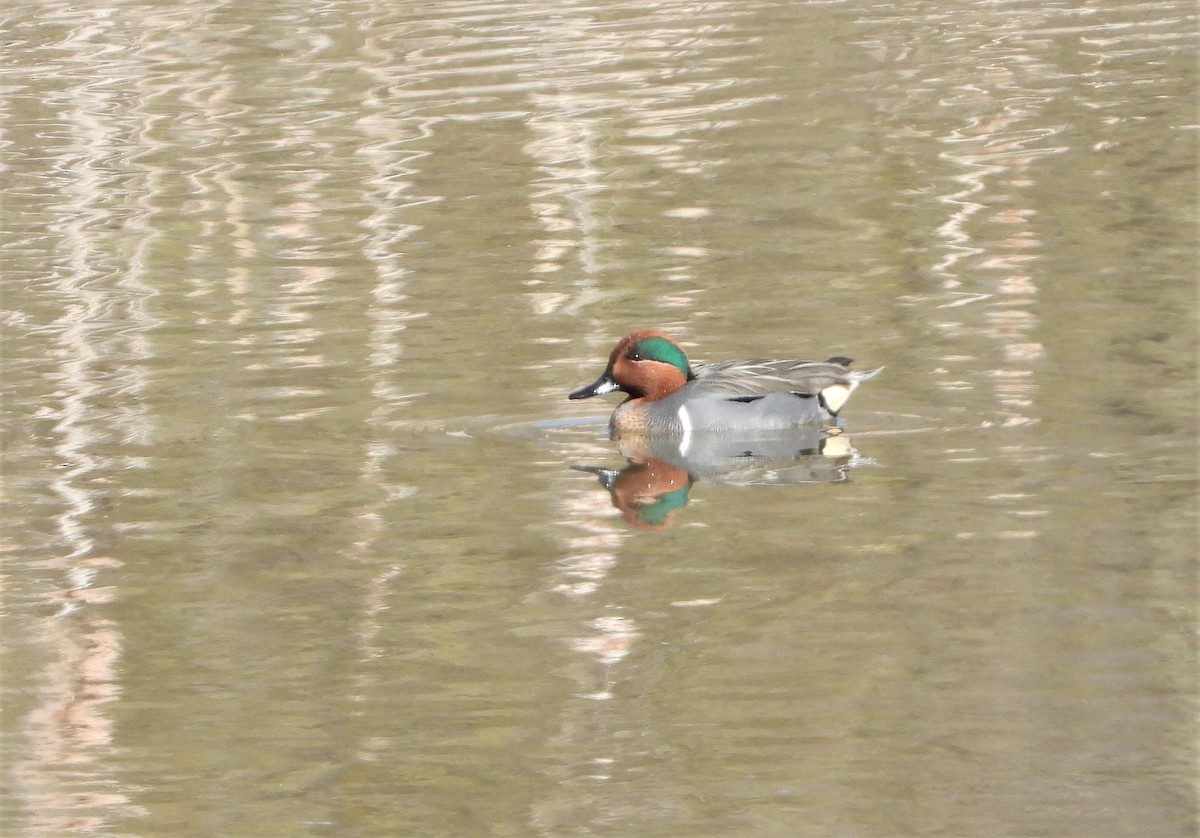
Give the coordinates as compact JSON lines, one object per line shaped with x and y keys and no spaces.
{"x":660,"y":474}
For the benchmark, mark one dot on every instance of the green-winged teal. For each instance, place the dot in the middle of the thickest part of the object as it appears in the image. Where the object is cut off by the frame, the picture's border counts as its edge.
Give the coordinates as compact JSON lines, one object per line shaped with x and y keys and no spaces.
{"x":668,"y":396}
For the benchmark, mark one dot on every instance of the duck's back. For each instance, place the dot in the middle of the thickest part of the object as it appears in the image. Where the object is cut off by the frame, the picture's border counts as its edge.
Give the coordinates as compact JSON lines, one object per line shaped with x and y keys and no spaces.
{"x":760,"y":395}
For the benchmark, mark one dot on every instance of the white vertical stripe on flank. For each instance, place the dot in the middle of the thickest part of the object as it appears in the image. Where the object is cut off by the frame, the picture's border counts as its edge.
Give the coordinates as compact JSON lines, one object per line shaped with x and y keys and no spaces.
{"x":686,"y":422}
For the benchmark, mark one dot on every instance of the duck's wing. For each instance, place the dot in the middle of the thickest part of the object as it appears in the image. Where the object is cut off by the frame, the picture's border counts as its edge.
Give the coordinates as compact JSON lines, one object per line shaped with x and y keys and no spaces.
{"x":751,"y":379}
{"x":832,"y":381}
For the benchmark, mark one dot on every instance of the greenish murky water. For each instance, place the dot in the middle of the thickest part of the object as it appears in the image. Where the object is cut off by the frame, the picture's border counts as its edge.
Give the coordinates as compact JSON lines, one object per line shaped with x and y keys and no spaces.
{"x":304,"y":538}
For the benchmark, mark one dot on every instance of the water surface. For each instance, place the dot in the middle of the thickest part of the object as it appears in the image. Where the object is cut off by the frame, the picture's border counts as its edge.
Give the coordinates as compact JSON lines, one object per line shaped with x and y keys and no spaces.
{"x":297,"y":537}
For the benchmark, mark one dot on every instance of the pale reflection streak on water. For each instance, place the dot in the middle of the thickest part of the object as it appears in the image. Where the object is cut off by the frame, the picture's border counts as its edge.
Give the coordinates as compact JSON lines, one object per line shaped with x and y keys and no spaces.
{"x":581,"y":78}
{"x":97,"y":341}
{"x":1004,"y":138}
{"x":1000,"y":151}
{"x":1006,"y":143}
{"x":662,"y":112}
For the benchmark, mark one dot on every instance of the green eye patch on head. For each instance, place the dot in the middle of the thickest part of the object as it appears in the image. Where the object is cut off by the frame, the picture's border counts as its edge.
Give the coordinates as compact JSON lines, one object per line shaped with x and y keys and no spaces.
{"x":659,"y":349}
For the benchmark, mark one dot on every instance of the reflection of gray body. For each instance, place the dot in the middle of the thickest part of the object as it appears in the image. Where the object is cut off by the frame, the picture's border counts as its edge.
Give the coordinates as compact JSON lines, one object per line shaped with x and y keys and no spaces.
{"x":802,"y":455}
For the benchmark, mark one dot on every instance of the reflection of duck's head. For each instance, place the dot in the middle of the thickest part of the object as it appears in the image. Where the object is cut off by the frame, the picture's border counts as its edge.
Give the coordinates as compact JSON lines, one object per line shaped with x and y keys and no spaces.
{"x":647,"y":492}
{"x":668,"y":397}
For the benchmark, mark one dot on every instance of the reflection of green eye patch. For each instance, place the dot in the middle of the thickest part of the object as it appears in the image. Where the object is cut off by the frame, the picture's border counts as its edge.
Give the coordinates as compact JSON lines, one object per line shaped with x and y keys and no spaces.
{"x":656,"y":513}
{"x":662,"y":350}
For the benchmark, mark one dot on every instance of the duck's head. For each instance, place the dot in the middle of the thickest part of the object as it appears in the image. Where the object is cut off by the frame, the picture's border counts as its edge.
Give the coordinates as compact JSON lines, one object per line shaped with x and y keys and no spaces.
{"x":646,"y":364}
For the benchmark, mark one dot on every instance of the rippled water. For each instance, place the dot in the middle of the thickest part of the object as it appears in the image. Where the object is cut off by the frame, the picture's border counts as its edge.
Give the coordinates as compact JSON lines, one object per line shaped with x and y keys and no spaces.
{"x":303,"y":537}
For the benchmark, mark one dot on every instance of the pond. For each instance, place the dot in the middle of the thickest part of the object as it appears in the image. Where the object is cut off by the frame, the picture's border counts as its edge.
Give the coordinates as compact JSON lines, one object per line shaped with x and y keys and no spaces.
{"x":304,"y":537}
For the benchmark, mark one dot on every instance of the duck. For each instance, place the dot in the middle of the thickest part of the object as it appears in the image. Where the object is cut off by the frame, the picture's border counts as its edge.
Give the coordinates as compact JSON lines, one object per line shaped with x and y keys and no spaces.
{"x":667,"y":396}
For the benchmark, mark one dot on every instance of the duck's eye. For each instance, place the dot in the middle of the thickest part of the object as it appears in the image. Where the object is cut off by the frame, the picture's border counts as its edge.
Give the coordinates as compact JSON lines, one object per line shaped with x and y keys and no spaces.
{"x":634,"y":356}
